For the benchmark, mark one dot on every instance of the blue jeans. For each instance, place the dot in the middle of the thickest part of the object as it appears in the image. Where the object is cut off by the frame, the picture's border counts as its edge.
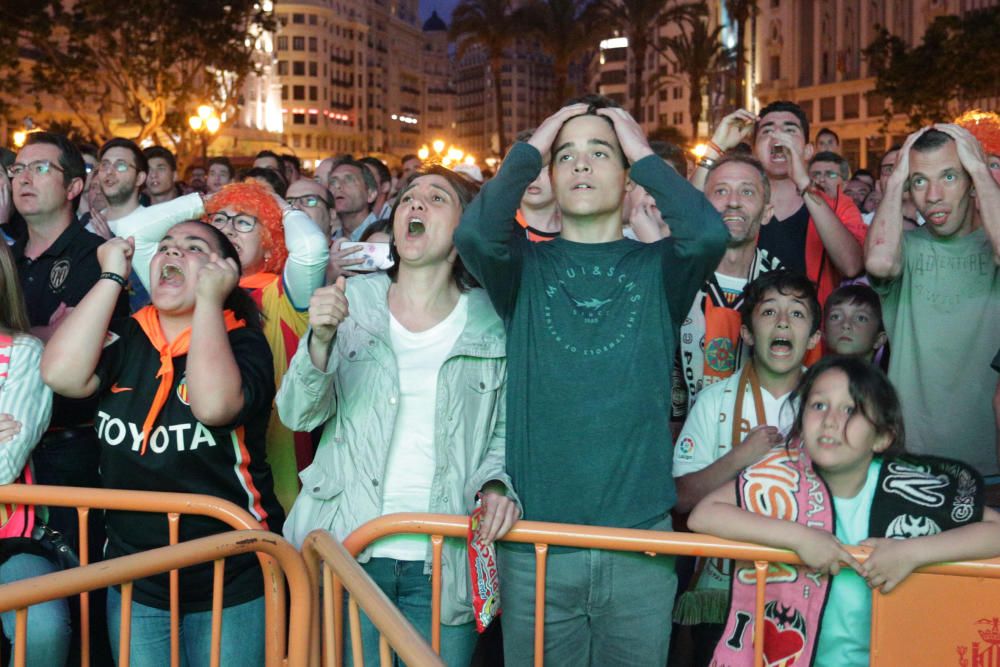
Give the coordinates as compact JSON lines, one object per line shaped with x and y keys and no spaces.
{"x":49,"y":628}
{"x":602,"y":608}
{"x":407,"y":587}
{"x":242,"y":634}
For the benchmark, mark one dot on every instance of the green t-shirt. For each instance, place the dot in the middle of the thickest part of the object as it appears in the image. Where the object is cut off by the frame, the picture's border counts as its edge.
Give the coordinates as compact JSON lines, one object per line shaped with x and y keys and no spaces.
{"x":942,"y":315}
{"x":591,"y":336}
{"x":845,"y":635}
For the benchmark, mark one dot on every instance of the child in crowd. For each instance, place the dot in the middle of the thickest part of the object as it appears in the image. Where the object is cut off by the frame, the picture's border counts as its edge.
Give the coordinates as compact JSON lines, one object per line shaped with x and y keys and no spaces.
{"x":852,"y":322}
{"x":184,"y":388}
{"x":841,"y":479}
{"x":735,"y":422}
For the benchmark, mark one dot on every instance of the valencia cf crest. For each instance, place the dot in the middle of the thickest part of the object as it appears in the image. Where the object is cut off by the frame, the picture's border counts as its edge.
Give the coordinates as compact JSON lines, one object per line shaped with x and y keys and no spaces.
{"x":182,"y":391}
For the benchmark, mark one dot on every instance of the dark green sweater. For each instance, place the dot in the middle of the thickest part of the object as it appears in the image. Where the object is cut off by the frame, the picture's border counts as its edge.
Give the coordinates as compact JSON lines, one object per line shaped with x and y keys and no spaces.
{"x":591,"y":335}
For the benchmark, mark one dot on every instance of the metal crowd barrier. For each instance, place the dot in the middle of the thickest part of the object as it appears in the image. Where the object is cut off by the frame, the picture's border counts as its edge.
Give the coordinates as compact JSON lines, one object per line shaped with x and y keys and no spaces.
{"x":971,"y":615}
{"x":173,"y":505}
{"x":332,"y":568}
{"x":124,"y":570}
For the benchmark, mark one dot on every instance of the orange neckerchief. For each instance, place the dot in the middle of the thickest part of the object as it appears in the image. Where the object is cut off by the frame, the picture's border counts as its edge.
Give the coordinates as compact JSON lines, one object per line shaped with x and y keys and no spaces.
{"x":258,"y":280}
{"x":149,"y":320}
{"x":741,"y":426}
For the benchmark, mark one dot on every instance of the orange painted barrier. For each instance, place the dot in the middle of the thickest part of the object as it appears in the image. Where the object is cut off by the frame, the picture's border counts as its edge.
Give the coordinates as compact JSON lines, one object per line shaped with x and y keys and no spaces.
{"x":912,"y":626}
{"x":331,"y":568}
{"x":124,"y":570}
{"x":173,"y":506}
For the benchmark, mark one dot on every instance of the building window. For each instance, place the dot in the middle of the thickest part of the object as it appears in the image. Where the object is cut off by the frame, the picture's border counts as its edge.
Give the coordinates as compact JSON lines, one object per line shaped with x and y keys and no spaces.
{"x":282,"y":68}
{"x":298,"y":92}
{"x":284,"y":92}
{"x":298,"y":43}
{"x":807,"y":108}
{"x":298,"y":68}
{"x":313,"y":93}
{"x":876,"y":105}
{"x":851,"y":150}
{"x":827,"y":109}
{"x":282,"y":43}
{"x":678,"y":92}
{"x":678,"y":118}
{"x":852,"y":107}
{"x":312,"y":19}
{"x":296,"y":141}
{"x":775,"y":68}
{"x":313,"y":118}
{"x":313,"y":44}
{"x":313,"y":69}
{"x":298,"y":119}
{"x":298,"y":18}
{"x":662,"y":96}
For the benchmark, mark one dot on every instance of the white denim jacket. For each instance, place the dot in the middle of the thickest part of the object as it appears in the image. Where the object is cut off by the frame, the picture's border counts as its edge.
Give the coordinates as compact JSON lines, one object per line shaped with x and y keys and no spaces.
{"x":356,"y":399}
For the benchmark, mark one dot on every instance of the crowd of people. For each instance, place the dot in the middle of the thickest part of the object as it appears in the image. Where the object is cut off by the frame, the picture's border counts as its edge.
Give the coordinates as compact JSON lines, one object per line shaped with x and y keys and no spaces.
{"x":758,"y":342}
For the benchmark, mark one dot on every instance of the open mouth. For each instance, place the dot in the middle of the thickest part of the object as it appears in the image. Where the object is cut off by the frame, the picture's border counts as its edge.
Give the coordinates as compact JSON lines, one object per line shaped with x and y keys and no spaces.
{"x":582,"y":186}
{"x":171,"y":275}
{"x":827,"y":441}
{"x":778,"y":153}
{"x":781,"y":347}
{"x":938,"y":217}
{"x":415,"y":227}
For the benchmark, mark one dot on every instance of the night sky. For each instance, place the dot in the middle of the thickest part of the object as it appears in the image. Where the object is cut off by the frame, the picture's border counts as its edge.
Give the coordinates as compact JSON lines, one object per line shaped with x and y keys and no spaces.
{"x":443,"y":8}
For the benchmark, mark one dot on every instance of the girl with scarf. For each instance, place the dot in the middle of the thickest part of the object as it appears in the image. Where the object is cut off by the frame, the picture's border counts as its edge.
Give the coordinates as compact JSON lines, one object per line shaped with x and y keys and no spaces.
{"x":185,"y":388}
{"x":842,"y":478}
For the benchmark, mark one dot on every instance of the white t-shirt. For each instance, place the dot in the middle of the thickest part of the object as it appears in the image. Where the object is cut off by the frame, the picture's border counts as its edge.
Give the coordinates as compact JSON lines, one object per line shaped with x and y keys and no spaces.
{"x":409,"y":469}
{"x":707,"y":437}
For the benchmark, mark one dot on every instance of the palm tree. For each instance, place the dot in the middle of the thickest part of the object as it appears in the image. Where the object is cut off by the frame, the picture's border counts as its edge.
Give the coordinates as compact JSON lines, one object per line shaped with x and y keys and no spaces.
{"x":740,"y":12}
{"x":638,"y":20}
{"x":561,"y":27}
{"x":697,"y":52}
{"x":492,"y":25}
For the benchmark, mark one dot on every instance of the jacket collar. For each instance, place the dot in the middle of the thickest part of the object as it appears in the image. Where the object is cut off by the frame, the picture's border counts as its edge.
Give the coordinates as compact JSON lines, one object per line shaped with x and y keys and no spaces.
{"x":483,"y":335}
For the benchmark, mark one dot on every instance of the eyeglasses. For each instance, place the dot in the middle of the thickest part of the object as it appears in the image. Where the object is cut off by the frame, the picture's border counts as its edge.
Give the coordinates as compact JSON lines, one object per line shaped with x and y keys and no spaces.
{"x":121,"y":166}
{"x":242,"y":222}
{"x":36,"y":168}
{"x":308,"y":201}
{"x":832,"y":175}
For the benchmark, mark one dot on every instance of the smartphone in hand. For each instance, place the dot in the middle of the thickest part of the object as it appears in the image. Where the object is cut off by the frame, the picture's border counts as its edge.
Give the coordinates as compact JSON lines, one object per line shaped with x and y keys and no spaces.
{"x":375,"y":254}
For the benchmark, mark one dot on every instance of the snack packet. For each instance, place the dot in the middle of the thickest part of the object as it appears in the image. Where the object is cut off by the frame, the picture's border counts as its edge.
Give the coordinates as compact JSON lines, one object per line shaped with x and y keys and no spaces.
{"x":483,"y":571}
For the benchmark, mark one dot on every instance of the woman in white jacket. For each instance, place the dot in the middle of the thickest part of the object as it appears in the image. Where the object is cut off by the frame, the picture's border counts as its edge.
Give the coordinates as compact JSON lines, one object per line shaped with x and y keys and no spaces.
{"x":410,"y":383}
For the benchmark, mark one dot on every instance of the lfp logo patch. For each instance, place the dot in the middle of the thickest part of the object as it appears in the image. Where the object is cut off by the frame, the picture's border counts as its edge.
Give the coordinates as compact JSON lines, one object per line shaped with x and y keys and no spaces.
{"x":685,"y":448}
{"x":182,"y":390}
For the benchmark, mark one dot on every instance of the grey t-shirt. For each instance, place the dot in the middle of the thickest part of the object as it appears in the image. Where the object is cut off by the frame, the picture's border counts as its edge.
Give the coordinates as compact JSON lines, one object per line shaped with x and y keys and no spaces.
{"x":942,"y":315}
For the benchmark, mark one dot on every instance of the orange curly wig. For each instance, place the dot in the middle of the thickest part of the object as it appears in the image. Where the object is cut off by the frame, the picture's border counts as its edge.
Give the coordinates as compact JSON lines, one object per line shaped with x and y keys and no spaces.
{"x":984,"y":126}
{"x":255,"y":200}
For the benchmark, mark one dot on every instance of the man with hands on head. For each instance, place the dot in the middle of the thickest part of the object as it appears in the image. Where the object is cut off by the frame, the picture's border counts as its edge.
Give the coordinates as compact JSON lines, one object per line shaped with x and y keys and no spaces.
{"x":940,"y":290}
{"x":591,"y":318}
{"x":809,"y":233}
{"x":406,"y":371}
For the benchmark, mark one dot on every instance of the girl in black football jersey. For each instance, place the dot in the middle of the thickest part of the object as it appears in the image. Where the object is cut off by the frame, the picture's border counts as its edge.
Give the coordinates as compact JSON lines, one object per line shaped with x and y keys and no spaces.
{"x":185,"y":388}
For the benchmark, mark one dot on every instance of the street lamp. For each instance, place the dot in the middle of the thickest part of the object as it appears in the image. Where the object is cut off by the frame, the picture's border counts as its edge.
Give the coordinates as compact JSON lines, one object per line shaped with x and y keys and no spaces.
{"x":206,"y":123}
{"x":447,"y":158}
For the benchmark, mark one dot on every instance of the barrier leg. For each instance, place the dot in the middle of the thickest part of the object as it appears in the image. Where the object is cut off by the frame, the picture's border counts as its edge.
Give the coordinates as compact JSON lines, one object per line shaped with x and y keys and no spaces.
{"x":541,"y":552}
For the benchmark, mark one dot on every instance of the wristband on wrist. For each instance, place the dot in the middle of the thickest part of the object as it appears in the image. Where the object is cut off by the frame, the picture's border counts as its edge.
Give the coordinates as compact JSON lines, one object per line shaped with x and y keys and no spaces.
{"x":715,"y":147}
{"x":706,"y":162}
{"x":107,"y":275}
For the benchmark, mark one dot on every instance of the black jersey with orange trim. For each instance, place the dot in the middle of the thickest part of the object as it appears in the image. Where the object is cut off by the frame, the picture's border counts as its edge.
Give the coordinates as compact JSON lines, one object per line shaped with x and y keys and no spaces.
{"x":183,"y":455}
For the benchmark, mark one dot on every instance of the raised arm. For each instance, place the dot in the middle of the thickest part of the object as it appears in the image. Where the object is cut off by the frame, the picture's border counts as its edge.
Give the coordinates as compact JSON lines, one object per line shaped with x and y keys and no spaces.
{"x":149,"y":224}
{"x":26,"y":402}
{"x":308,"y":252}
{"x":307,"y":398}
{"x":73,"y":351}
{"x":215,"y":385}
{"x":884,"y":243}
{"x":973,"y":159}
{"x":734,"y":128}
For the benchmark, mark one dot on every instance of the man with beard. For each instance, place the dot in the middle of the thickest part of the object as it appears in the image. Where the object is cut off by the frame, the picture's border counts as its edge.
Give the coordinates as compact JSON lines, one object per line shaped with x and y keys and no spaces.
{"x":122,"y":171}
{"x":809,"y":232}
{"x":711,"y":348}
